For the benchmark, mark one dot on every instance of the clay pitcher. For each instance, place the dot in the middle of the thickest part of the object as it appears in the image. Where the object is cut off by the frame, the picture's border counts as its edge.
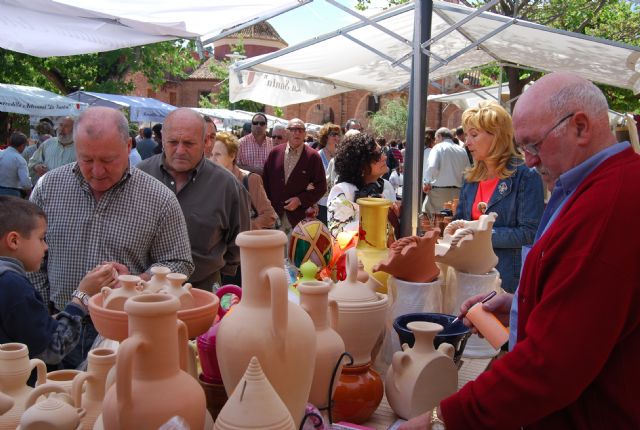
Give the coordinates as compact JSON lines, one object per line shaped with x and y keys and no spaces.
{"x":114,"y":298}
{"x":158,"y":279}
{"x":100,"y":362}
{"x":151,"y":382}
{"x":266,"y":325}
{"x":57,"y":411}
{"x":179,"y":291}
{"x":421,"y":376}
{"x":15,"y":369}
{"x":315,"y":300}
{"x":372,"y":236}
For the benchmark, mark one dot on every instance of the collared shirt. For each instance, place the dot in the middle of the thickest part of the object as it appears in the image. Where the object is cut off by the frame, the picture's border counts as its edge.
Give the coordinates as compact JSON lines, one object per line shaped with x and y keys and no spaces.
{"x":291,"y":157}
{"x":252,"y":153}
{"x":216,"y":208}
{"x":425,"y":164}
{"x":446,"y":165}
{"x":52,"y":154}
{"x":13,"y":170}
{"x":138,"y":223}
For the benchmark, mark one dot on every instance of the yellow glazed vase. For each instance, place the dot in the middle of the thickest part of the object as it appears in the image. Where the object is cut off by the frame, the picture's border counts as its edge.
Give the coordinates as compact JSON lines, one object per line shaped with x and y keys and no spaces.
{"x":372,"y":239}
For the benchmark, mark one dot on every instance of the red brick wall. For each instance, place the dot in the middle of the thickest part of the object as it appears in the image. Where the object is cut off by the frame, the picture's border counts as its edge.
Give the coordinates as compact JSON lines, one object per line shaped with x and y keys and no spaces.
{"x":220,"y":52}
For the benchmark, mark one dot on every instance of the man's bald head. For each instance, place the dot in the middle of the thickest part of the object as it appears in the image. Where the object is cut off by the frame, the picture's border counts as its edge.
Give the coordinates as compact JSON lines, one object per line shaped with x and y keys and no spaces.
{"x":182,"y":114}
{"x":96,"y":119}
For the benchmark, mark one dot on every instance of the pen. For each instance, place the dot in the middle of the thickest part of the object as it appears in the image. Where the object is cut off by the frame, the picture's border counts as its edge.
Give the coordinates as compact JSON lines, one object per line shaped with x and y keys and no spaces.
{"x":485,"y":300}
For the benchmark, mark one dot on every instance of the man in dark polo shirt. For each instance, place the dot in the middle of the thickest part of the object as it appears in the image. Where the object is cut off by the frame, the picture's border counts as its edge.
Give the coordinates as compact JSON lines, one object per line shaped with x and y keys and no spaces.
{"x":214,"y":203}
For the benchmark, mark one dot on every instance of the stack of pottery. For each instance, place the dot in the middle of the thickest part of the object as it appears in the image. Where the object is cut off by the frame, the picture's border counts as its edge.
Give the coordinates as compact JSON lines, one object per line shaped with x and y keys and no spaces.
{"x":372,"y":236}
{"x":15,"y":368}
{"x":266,"y":325}
{"x":57,"y":411}
{"x":420,"y":377}
{"x":361,"y":319}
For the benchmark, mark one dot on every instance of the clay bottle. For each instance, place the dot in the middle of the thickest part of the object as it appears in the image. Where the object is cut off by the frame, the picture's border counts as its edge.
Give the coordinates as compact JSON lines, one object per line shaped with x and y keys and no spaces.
{"x":158,"y":279}
{"x":93,"y":381}
{"x":266,"y":325}
{"x":114,"y":298}
{"x":179,"y":291}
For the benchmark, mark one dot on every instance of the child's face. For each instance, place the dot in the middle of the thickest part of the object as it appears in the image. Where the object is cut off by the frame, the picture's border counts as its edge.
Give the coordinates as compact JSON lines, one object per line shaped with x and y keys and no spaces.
{"x":32,"y":248}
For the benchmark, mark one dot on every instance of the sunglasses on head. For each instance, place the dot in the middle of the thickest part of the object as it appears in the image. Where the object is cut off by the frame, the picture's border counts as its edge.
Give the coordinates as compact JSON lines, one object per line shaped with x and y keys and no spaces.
{"x":262,"y":123}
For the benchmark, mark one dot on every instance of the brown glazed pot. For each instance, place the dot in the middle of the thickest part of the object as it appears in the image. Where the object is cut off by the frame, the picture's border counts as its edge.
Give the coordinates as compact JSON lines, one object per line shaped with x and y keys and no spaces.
{"x":358,"y":394}
{"x":216,"y":397}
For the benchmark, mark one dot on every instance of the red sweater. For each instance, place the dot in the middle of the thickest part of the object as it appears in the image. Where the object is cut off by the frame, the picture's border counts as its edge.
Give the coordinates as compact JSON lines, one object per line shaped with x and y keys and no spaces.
{"x":577,"y":361}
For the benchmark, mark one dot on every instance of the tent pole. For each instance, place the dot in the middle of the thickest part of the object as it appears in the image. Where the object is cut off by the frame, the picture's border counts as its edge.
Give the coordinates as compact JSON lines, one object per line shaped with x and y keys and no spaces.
{"x":412,"y":189}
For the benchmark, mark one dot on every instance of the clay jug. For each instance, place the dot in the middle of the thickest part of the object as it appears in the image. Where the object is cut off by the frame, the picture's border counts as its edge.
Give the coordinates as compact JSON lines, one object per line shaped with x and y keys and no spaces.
{"x":158,"y":279}
{"x":181,"y":292}
{"x":315,"y":300}
{"x":114,"y":298}
{"x":421,"y":376}
{"x":254,"y":404}
{"x":151,"y":363}
{"x":55,"y":412}
{"x":93,"y":381}
{"x":6,"y":403}
{"x":358,"y":394}
{"x":62,"y":378}
{"x":358,"y":286}
{"x":264,"y":324}
{"x":15,"y":369}
{"x":372,"y":236}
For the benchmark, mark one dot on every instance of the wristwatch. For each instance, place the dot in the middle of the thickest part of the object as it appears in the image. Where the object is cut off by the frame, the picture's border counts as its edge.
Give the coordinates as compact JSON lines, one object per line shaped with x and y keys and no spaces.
{"x":436,"y":422}
{"x":82,"y":296}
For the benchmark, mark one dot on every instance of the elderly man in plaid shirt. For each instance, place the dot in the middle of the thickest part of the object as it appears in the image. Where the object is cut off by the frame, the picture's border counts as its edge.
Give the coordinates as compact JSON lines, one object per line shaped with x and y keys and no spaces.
{"x":255,"y":147}
{"x":101,"y":210}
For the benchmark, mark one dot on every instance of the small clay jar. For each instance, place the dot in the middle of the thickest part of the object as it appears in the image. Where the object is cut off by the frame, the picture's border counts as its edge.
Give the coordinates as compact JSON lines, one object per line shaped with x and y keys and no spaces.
{"x":63,"y":378}
{"x":358,"y":393}
{"x":181,"y":292}
{"x":158,"y":279}
{"x":114,"y":298}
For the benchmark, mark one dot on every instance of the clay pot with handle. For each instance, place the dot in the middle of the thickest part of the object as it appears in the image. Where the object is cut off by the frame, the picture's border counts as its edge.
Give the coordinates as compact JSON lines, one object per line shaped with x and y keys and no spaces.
{"x":57,"y":411}
{"x":93,"y":381}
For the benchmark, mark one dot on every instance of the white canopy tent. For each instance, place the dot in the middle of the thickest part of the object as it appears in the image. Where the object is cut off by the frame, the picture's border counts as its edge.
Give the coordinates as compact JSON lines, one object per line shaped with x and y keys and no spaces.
{"x":380,"y":63}
{"x":141,"y":109}
{"x":68,"y":27}
{"x":37,"y":102}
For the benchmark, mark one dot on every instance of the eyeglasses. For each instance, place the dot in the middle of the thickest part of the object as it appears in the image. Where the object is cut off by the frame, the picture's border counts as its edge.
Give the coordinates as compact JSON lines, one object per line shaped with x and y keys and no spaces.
{"x":261,"y":123}
{"x":533,"y":148}
{"x":277,"y":137}
{"x":334,"y":133}
{"x":296,"y":130}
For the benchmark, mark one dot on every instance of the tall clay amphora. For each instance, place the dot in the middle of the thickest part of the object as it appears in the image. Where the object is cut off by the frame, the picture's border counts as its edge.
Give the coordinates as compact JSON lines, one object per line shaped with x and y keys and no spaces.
{"x":264,"y":324}
{"x":314,"y":298}
{"x":93,"y":381}
{"x":15,"y":368}
{"x":151,"y":382}
{"x":372,"y":236}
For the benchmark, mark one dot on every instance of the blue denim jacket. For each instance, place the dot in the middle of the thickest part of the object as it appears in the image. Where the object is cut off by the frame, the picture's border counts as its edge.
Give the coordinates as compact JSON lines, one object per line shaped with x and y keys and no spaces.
{"x":519,"y":202}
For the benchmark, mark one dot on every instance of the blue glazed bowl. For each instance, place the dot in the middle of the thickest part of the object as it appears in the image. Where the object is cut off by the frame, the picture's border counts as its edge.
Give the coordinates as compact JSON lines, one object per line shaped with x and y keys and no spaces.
{"x":456,"y":334}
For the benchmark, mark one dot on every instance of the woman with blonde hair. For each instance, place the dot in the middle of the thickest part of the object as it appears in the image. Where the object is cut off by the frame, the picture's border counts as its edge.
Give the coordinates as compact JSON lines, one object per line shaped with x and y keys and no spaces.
{"x":500,"y":182}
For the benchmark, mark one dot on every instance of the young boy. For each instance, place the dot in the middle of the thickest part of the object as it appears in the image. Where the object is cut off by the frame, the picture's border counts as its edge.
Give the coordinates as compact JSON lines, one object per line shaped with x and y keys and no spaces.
{"x":24,"y":317}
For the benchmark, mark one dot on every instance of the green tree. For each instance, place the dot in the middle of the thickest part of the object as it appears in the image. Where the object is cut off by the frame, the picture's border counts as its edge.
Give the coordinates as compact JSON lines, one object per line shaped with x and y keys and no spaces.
{"x":391,"y":120}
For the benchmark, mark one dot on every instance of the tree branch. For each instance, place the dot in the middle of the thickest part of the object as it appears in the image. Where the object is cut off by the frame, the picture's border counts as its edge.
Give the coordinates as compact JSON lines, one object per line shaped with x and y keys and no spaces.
{"x":587,"y":20}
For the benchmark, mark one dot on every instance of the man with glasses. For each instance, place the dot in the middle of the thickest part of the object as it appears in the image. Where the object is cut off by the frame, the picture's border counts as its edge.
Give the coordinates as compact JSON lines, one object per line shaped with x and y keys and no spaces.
{"x":293,"y":177}
{"x":278,"y":134}
{"x":574,"y":362}
{"x":255,"y":147}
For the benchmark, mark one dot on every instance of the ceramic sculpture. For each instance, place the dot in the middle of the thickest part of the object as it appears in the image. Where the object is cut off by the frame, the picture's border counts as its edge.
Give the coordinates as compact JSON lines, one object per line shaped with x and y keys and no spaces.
{"x":421,"y":376}
{"x":93,"y":383}
{"x":412,"y":258}
{"x":57,"y":411}
{"x":310,"y":240}
{"x":158,"y":279}
{"x":181,"y":292}
{"x":330,"y":346}
{"x":254,"y":404}
{"x":372,"y":236}
{"x":114,"y":298}
{"x":266,"y":325}
{"x":151,"y":363}
{"x":15,"y":368}
{"x":466,"y":245}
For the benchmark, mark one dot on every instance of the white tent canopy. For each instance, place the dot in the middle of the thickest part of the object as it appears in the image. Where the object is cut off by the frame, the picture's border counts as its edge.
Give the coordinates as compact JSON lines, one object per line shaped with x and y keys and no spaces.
{"x":471,"y":98}
{"x":361,"y":56}
{"x":141,"y":109}
{"x":68,"y":27}
{"x":37,"y":102}
{"x":227,"y":119}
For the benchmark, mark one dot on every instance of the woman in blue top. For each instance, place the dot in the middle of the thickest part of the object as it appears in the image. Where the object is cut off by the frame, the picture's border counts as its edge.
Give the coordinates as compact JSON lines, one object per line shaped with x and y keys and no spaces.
{"x":500,"y":182}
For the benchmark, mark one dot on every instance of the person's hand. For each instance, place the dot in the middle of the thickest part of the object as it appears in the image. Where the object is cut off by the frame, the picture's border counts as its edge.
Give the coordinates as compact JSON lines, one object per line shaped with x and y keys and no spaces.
{"x":396,"y":207}
{"x":426,"y":188}
{"x":98,"y":277}
{"x":40,"y":169}
{"x":499,"y":305}
{"x":292,"y":204}
{"x":121,"y":269}
{"x":421,"y":422}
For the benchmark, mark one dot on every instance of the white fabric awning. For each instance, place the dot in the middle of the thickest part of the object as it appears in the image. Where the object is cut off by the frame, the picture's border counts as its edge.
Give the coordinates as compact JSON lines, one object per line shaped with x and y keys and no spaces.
{"x":37,"y":102}
{"x":141,"y":109}
{"x":339,"y":62}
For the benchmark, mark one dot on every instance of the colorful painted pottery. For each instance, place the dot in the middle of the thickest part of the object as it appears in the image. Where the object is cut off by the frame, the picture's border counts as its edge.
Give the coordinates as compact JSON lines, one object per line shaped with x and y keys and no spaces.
{"x":114,"y":298}
{"x":372,"y":236}
{"x":178,"y":290}
{"x":310,"y":240}
{"x":15,"y":369}
{"x":266,"y":325}
{"x":420,"y":377}
{"x":254,"y":404}
{"x":358,"y":393}
{"x":151,"y":363}
{"x":56,"y":411}
{"x":93,"y":383}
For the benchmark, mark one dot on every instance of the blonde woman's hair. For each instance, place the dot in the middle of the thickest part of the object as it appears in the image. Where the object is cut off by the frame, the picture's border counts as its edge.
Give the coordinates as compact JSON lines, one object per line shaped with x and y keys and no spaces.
{"x":231,"y":142}
{"x":495,"y":120}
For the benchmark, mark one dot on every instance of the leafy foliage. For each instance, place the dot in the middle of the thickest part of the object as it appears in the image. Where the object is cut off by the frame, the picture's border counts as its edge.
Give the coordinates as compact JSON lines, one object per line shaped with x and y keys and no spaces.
{"x":391,"y":120}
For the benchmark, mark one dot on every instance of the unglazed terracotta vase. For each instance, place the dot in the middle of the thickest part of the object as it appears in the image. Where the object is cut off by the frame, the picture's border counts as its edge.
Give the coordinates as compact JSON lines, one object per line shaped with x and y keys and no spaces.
{"x":93,"y":381}
{"x":372,"y":236}
{"x":421,"y":376}
{"x":358,"y":394}
{"x":57,"y":411}
{"x":466,"y":245}
{"x":151,"y":364}
{"x":114,"y":298}
{"x":6,"y":403}
{"x":324,"y":312}
{"x":63,"y":378}
{"x":181,"y":292}
{"x":254,"y":404}
{"x":264,"y":324}
{"x":412,"y":258}
{"x":158,"y":279}
{"x":15,"y":369}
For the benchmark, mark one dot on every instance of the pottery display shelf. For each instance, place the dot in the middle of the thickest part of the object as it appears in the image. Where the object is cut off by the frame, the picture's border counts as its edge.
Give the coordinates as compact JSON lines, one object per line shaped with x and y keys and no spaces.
{"x":470,"y":369}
